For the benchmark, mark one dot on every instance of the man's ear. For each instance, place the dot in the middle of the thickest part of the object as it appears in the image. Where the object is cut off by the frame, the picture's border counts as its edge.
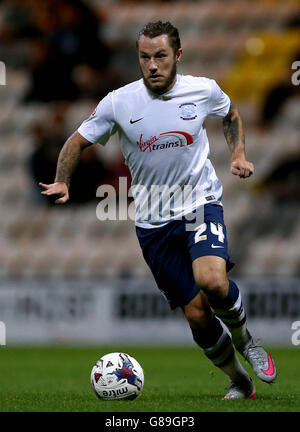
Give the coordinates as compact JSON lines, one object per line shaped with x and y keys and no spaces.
{"x":178,"y":54}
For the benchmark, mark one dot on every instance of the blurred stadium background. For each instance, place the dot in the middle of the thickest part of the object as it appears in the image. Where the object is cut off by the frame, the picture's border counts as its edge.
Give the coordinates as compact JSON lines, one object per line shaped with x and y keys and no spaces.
{"x":66,"y":277}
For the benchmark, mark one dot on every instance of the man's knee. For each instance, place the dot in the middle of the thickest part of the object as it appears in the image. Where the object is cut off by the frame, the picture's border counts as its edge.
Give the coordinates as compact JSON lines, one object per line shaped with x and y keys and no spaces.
{"x":211,"y":277}
{"x":214,"y":285}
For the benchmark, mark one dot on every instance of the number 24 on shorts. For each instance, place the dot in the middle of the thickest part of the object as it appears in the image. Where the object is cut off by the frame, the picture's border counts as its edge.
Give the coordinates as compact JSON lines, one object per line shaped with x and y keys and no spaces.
{"x":215,"y":228}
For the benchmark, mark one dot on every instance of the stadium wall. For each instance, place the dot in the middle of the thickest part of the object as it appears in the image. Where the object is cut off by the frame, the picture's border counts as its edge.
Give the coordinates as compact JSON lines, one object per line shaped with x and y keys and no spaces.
{"x":131,"y":311}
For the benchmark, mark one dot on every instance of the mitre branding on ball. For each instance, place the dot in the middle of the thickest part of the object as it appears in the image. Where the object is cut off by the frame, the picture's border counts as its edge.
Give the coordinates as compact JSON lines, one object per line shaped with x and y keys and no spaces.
{"x":117,"y":376}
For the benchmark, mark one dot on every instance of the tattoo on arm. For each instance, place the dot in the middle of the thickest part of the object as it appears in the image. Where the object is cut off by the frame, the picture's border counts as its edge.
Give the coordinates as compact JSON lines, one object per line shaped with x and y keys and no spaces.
{"x":233,"y":130}
{"x":67,"y":161}
{"x":230,"y":128}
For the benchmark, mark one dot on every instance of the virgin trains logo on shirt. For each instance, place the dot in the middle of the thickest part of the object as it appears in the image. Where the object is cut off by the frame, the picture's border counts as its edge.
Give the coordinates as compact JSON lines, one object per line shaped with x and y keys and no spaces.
{"x":165,"y":140}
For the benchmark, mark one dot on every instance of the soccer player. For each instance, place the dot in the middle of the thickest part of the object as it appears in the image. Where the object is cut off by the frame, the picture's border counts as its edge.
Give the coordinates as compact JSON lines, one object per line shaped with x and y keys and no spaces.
{"x":160,"y":122}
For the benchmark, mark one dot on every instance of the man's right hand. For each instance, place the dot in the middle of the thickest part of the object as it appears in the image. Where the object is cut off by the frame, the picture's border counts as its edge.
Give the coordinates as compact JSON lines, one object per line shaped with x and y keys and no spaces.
{"x":58,"y":188}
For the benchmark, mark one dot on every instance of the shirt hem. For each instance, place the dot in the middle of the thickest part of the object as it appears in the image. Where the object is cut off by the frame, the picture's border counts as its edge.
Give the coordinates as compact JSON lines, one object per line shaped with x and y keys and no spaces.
{"x":159,"y":224}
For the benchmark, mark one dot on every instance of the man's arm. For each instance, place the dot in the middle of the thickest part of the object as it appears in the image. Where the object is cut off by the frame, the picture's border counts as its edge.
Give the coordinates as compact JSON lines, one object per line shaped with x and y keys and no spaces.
{"x":67,"y":161}
{"x":234,"y":134}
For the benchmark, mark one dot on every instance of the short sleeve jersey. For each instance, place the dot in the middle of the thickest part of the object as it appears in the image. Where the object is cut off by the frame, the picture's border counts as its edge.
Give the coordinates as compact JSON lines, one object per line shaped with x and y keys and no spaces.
{"x":164,"y":143}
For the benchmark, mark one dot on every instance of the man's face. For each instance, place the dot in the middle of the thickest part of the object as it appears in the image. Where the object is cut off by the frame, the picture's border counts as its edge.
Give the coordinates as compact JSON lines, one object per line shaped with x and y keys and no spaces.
{"x":158,"y":63}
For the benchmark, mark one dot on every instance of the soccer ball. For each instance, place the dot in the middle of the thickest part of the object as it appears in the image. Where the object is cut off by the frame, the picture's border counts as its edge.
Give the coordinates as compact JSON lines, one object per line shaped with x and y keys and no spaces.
{"x":117,"y":376}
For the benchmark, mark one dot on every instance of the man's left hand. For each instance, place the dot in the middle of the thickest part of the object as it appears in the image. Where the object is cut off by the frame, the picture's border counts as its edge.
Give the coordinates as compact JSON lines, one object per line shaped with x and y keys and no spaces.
{"x":242,"y":168}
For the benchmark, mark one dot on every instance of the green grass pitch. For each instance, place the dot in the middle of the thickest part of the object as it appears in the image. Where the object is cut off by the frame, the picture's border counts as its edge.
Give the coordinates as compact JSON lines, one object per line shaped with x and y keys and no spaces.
{"x":176,"y":379}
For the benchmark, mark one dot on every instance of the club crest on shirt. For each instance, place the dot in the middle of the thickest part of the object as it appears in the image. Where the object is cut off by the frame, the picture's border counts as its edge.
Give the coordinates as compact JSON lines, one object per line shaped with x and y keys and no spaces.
{"x":188,"y":111}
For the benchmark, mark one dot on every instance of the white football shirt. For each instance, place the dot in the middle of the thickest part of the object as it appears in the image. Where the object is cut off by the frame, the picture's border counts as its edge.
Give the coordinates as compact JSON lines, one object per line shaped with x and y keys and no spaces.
{"x":164,"y":143}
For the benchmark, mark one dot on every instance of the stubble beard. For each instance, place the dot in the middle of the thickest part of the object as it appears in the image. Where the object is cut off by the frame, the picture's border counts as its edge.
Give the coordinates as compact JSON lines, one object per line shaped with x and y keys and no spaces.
{"x":163,"y":88}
